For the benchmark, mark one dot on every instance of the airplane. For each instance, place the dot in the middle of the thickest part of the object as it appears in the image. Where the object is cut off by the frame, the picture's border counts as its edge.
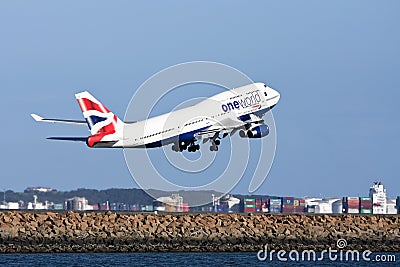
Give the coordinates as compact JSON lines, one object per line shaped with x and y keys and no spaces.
{"x":237,"y":110}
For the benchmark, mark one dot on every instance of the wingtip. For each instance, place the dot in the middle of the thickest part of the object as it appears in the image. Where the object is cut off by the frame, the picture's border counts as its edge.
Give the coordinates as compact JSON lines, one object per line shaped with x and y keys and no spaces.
{"x":36,"y":117}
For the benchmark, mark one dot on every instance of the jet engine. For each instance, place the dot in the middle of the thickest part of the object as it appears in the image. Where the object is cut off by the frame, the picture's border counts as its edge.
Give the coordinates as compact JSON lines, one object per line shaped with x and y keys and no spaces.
{"x":255,"y":132}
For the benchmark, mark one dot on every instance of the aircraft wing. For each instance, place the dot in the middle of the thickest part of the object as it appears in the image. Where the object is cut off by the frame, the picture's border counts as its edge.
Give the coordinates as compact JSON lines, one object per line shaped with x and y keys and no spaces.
{"x":255,"y":119}
{"x":77,"y":139}
{"x":39,"y":118}
{"x":226,"y":126}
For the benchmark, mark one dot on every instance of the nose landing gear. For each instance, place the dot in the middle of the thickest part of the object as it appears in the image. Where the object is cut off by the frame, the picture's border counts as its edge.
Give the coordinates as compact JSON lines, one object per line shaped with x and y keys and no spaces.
{"x":215,"y":144}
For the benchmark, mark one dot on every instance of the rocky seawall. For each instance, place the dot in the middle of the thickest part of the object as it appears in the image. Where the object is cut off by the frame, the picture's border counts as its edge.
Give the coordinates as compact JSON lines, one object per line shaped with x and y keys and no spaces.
{"x":30,"y":232}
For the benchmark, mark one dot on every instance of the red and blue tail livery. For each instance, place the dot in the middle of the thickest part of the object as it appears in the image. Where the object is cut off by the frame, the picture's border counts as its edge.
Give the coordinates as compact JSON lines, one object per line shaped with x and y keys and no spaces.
{"x":101,"y":121}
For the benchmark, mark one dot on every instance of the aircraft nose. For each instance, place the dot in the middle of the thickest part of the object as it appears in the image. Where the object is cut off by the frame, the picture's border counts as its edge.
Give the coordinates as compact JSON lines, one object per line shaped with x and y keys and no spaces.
{"x":276,"y":94}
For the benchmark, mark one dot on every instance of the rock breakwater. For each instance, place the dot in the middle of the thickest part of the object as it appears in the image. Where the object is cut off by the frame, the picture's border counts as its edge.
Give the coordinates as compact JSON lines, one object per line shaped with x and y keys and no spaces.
{"x":31,"y":232}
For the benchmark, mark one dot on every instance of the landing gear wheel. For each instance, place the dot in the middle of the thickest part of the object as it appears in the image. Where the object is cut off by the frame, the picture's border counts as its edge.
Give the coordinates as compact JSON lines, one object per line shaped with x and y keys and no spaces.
{"x":213,"y":148}
{"x":217,"y":142}
{"x":175,"y":148}
{"x":182,"y":147}
{"x":193,"y":148}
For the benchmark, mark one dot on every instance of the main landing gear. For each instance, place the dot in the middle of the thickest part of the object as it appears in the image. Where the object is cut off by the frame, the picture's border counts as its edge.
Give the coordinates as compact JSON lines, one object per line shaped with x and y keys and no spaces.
{"x":215,"y":144}
{"x":191,"y":147}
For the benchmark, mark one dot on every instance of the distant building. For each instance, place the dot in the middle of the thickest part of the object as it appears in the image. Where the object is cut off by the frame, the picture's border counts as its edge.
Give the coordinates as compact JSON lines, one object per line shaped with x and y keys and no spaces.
{"x":320,"y":205}
{"x":39,"y":189}
{"x":35,"y":205}
{"x":378,"y":194}
{"x":391,"y":207}
{"x":10,"y":206}
{"x":337,"y":207}
{"x":173,"y":203}
{"x":77,"y":203}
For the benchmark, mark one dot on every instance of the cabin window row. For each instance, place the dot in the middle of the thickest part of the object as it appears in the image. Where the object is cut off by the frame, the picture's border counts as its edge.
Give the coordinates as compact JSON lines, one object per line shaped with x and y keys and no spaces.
{"x":165,"y":131}
{"x":190,"y":123}
{"x":236,"y":96}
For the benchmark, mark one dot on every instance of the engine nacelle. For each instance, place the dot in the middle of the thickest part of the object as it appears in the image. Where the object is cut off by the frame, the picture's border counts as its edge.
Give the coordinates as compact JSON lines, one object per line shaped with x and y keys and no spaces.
{"x":255,"y":132}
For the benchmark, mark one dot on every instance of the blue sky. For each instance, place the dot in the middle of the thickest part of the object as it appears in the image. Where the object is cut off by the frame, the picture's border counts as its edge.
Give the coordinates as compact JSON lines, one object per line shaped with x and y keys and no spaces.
{"x":335,"y":63}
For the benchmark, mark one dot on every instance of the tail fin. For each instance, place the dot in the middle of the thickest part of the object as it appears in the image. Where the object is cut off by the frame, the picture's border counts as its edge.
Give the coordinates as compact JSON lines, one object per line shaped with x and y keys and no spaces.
{"x":101,"y":121}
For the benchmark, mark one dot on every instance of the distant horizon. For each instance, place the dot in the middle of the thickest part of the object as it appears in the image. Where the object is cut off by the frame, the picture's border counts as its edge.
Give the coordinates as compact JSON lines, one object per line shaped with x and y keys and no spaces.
{"x":393,"y":196}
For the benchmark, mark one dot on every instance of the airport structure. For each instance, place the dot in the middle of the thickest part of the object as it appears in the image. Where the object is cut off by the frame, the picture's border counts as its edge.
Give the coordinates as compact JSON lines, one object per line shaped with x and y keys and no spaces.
{"x":376,"y":203}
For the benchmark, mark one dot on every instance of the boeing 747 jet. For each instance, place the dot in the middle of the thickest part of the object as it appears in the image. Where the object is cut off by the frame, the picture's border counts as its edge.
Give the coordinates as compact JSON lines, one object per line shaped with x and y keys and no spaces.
{"x":237,"y":110}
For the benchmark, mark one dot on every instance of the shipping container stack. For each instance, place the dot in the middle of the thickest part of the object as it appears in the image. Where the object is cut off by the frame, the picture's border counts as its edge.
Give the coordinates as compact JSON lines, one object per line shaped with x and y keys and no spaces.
{"x":95,"y":207}
{"x":249,"y":205}
{"x":366,"y":205}
{"x":299,"y":205}
{"x":135,"y":207}
{"x":288,"y":204}
{"x":258,"y":205}
{"x":275,"y":205}
{"x":185,"y":207}
{"x":147,"y":207}
{"x":351,"y":205}
{"x":58,"y":206}
{"x":264,"y":204}
{"x":119,"y":206}
{"x":223,"y":207}
{"x":104,"y":206}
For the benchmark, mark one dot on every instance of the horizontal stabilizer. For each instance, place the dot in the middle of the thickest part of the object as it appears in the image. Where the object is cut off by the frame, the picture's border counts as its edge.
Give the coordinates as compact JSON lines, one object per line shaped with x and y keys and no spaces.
{"x":39,"y":118}
{"x":77,"y":139}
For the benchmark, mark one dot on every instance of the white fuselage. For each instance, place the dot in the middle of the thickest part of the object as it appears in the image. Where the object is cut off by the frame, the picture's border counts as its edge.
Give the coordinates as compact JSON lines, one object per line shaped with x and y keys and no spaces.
{"x":235,"y":104}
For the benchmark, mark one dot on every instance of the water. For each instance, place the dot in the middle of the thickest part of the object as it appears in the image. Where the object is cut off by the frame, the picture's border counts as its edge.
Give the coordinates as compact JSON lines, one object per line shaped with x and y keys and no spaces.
{"x":169,"y":259}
